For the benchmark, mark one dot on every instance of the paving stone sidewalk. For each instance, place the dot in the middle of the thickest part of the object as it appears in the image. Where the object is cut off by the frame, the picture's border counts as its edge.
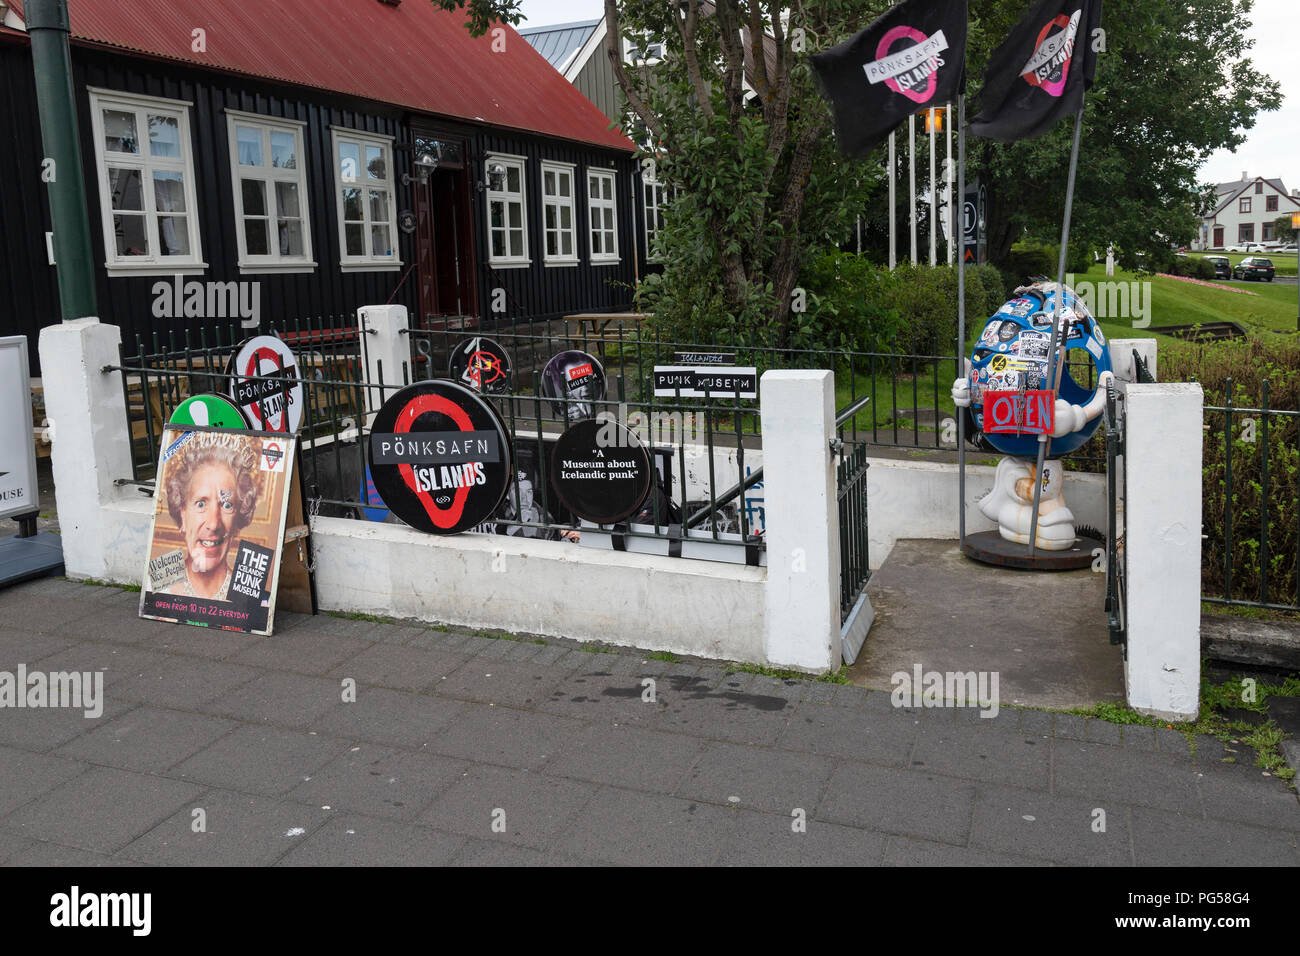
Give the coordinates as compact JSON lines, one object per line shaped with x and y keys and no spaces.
{"x":451,"y":733}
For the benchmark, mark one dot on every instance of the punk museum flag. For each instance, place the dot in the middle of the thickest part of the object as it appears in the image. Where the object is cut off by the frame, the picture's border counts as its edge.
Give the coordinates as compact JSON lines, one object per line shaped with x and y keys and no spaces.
{"x":1040,"y":71}
{"x":910,"y":59}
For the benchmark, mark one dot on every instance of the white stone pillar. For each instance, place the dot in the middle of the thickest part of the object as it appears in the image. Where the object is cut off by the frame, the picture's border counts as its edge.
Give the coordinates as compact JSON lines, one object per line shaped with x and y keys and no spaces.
{"x":89,"y":434}
{"x":1162,"y":541}
{"x":803,"y":537}
{"x":386,"y":345}
{"x":1121,"y":357}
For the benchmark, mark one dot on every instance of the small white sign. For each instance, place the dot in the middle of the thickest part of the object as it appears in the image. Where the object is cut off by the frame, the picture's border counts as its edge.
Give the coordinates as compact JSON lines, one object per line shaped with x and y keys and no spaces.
{"x":18,"y":494}
{"x":706,"y":382}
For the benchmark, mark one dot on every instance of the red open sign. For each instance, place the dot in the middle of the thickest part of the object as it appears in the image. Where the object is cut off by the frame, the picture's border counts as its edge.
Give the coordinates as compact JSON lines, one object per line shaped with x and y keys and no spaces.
{"x":1019,"y":413}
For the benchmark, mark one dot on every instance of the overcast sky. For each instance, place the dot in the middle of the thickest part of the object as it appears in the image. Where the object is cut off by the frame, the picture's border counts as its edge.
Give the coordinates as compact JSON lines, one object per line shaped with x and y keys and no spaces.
{"x":1272,"y":148}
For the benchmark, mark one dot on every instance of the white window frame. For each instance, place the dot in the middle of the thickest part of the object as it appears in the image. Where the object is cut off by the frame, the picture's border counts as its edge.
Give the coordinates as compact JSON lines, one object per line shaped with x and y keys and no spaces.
{"x":604,"y":257}
{"x":504,"y":195}
{"x":154,"y":263}
{"x":368,"y":262}
{"x":269,"y":175}
{"x":650,"y":185}
{"x":559,"y":202}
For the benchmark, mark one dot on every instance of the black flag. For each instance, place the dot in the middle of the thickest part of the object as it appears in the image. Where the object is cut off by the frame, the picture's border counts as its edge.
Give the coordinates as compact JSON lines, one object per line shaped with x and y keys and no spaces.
{"x":1040,"y":71}
{"x":912,"y":58}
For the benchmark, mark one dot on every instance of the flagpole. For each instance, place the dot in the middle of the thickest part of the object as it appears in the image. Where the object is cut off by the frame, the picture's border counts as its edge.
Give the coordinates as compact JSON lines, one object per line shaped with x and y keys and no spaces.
{"x":934,"y":189}
{"x":948,"y":176}
{"x":911,"y":180}
{"x":959,"y":229}
{"x":893,"y":204}
{"x":1054,"y":363}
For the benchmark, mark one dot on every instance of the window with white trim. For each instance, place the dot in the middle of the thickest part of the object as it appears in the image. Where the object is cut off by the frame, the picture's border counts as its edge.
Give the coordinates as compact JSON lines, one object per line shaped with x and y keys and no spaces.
{"x":559,"y":232}
{"x":654,"y":197}
{"x":146,"y":177}
{"x":269,"y":177}
{"x":604,"y":216}
{"x":363,"y":190}
{"x":506,"y":211}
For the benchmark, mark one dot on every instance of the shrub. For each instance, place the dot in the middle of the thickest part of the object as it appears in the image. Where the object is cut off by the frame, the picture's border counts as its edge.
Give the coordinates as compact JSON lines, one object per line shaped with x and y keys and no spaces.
{"x":1029,"y":259}
{"x":1244,"y":366}
{"x":850,"y":302}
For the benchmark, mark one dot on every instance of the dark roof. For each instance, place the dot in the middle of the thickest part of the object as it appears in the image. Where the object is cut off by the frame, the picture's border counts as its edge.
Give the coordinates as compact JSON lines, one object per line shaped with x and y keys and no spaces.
{"x":414,"y":55}
{"x":560,"y":42}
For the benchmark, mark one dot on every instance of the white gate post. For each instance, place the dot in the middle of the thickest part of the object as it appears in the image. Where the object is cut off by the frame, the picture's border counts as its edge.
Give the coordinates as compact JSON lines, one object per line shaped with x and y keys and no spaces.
{"x":1162,"y":543}
{"x":90,"y":439}
{"x":385,"y":343}
{"x":803,"y":520}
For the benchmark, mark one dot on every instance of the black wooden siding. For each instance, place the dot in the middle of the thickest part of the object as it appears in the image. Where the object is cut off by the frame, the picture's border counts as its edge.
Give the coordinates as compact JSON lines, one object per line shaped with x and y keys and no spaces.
{"x":542,"y":292}
{"x":28,"y":286}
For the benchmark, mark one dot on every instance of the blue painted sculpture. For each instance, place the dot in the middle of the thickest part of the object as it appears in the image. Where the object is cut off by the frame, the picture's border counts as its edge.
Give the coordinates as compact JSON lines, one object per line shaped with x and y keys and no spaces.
{"x":1012,"y":355}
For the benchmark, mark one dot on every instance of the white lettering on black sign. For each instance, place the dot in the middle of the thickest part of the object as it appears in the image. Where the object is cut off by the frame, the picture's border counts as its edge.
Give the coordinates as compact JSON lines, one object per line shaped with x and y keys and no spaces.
{"x":706,"y":382}
{"x":434,"y":448}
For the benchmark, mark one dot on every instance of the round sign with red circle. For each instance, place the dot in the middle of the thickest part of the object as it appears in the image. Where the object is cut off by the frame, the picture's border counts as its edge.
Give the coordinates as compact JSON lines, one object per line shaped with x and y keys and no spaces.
{"x":266,"y":385}
{"x":440,"y":457}
{"x":480,"y":364}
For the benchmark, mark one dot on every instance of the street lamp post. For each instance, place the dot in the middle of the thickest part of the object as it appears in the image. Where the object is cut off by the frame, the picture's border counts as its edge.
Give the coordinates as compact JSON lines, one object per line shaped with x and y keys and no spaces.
{"x":48,"y":26}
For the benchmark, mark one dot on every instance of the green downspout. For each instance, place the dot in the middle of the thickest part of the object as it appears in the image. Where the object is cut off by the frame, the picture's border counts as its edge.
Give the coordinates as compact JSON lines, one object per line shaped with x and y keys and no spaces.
{"x":48,"y":26}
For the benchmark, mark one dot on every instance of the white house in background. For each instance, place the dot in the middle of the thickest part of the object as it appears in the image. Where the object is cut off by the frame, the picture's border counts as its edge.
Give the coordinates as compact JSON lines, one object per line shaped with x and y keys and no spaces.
{"x":1244,"y":211}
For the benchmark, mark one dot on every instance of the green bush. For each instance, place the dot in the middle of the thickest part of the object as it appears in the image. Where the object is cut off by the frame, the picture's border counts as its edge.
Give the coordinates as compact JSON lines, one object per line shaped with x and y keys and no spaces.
{"x":850,"y":302}
{"x":1204,"y":270}
{"x":1241,"y":369}
{"x":1029,"y":259}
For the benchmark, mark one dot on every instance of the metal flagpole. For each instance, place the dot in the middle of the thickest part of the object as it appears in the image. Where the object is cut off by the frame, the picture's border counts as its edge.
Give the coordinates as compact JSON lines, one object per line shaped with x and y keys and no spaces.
{"x":911,"y":181}
{"x":952,"y":216}
{"x":959,"y":229}
{"x":893,"y":203}
{"x":1054,"y":362}
{"x":930,"y":118}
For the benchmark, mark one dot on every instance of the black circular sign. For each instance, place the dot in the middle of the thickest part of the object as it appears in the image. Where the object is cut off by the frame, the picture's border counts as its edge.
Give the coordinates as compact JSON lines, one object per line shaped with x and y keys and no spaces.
{"x":480,"y":364}
{"x":440,"y":457}
{"x":577,"y":377}
{"x":406,"y":221}
{"x":601,"y":471}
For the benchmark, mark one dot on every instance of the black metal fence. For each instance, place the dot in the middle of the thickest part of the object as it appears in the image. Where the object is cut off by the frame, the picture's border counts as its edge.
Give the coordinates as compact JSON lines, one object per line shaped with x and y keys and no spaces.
{"x":1251,"y":503}
{"x":851,"y":499}
{"x":1116,"y":491}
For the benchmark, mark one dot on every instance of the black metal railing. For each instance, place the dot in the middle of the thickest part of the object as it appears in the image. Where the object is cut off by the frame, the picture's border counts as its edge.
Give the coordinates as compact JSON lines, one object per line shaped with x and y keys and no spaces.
{"x":1116,"y":602}
{"x":1250,"y":553}
{"x":851,"y":499}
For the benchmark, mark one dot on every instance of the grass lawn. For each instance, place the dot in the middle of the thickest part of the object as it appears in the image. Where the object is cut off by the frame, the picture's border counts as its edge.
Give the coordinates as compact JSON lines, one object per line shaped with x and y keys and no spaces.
{"x":1173,"y":302}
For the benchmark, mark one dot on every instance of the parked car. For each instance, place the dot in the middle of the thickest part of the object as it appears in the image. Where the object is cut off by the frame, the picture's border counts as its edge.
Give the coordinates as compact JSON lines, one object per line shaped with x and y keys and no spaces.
{"x":1244,"y":247}
{"x":1286,"y":247}
{"x":1222,"y":266}
{"x":1254,"y":267}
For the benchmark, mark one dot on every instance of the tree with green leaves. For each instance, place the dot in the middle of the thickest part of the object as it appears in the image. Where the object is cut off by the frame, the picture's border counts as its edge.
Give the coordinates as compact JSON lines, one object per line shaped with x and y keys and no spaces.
{"x":1174,"y":84}
{"x":1283,"y":230}
{"x":732,"y":121}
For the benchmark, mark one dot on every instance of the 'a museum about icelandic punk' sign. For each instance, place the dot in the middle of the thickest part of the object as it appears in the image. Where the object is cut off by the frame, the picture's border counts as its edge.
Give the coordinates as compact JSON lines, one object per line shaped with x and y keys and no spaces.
{"x":439,"y":457}
{"x":601,"y":477}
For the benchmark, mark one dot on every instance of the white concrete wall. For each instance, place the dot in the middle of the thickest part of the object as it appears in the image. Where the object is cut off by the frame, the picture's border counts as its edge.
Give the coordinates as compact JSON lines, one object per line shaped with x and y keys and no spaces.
{"x":914,"y":499}
{"x":1162,"y":540}
{"x":803,"y":535}
{"x":88,"y":433}
{"x":541,"y":587}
